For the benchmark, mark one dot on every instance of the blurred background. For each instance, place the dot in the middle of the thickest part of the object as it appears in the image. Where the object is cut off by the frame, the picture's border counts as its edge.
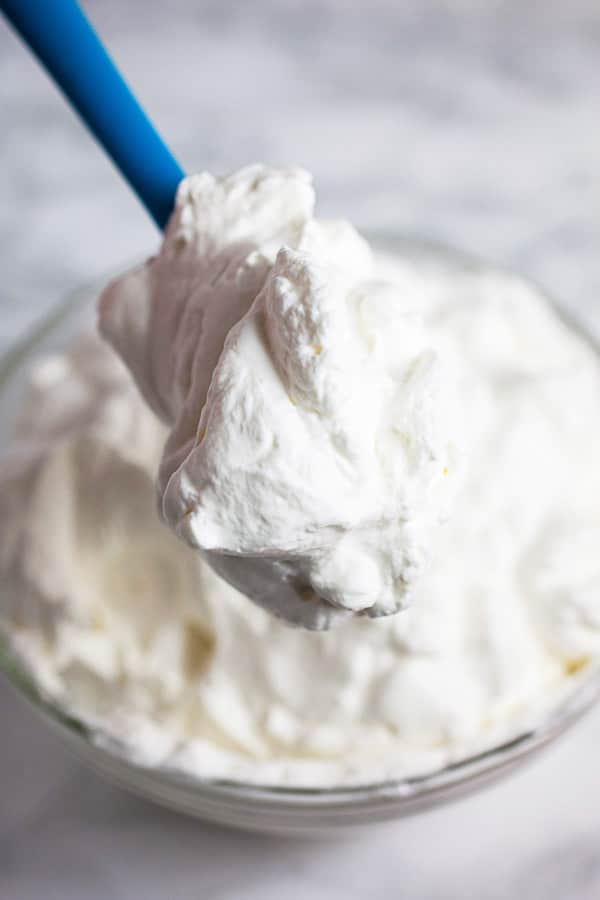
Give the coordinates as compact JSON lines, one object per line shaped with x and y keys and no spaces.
{"x":476,"y":122}
{"x":473,"y":122}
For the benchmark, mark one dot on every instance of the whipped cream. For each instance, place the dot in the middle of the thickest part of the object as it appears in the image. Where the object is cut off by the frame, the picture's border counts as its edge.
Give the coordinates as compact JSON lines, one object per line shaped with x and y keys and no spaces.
{"x":315,"y":428}
{"x":128,"y":629}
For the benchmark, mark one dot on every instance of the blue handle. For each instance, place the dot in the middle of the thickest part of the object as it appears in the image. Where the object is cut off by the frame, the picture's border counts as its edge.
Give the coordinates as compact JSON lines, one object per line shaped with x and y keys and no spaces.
{"x":64,"y":41}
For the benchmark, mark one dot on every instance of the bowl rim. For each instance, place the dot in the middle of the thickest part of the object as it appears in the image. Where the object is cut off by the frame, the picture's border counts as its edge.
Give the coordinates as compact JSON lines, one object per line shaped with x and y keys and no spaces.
{"x":432,"y":787}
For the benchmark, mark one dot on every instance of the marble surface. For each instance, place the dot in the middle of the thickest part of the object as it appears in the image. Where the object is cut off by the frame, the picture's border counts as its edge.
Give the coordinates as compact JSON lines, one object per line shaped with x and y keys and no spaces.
{"x":477,"y":123}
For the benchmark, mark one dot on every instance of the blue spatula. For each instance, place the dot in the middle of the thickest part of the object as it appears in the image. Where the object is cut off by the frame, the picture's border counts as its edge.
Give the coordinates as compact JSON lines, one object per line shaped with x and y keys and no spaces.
{"x":66,"y":44}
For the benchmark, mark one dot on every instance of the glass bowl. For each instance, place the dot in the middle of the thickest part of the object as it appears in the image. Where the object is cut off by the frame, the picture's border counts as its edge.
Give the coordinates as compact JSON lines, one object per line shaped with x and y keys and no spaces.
{"x":284,"y":810}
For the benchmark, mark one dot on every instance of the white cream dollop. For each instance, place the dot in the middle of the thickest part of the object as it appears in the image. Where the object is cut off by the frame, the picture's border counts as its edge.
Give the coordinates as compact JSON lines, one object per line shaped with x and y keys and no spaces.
{"x":315,"y":429}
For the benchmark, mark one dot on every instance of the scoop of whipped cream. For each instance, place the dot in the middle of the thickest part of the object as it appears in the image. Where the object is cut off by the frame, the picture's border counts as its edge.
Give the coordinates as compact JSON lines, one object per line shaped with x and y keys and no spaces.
{"x":314,"y":424}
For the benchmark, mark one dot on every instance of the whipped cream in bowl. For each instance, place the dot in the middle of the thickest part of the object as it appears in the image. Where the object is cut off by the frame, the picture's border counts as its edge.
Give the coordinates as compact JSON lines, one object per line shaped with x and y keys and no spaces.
{"x":165,"y":677}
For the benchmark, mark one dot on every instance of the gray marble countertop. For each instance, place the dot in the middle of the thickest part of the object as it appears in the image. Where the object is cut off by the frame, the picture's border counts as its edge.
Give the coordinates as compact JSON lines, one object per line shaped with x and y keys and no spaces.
{"x":476,"y":123}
